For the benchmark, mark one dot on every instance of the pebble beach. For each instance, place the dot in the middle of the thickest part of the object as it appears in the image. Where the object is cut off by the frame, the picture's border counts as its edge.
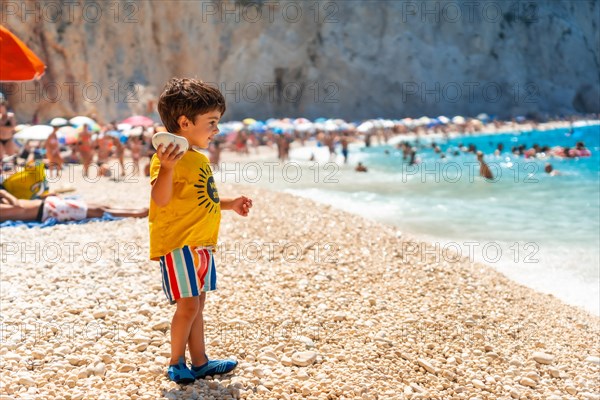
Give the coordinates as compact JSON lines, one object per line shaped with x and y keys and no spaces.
{"x":313,"y":302}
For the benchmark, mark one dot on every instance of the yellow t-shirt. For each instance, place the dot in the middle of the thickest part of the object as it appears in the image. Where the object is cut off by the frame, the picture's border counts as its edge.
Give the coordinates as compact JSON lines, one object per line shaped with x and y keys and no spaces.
{"x":193,"y":215}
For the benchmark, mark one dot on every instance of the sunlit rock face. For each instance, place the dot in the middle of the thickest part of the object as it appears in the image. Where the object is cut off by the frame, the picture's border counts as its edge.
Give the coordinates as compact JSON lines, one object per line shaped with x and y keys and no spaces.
{"x":348,"y":59}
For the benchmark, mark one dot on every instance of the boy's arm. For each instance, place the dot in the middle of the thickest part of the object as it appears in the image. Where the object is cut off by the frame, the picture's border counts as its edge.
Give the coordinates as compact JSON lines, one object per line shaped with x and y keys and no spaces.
{"x":240,"y":205}
{"x":162,"y":187}
{"x":226,"y":204}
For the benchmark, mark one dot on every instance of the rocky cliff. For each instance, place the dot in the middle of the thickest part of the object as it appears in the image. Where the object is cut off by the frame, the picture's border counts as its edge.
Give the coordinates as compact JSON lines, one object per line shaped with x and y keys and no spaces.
{"x":348,"y":59}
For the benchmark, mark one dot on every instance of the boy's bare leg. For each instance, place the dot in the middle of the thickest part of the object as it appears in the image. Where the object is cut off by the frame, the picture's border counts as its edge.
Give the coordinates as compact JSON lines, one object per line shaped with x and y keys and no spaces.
{"x":187,"y":310}
{"x":196,"y":343}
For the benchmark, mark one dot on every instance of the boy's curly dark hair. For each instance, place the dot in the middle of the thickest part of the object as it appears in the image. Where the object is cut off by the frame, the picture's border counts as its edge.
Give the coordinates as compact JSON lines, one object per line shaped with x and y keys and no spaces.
{"x":189,"y":97}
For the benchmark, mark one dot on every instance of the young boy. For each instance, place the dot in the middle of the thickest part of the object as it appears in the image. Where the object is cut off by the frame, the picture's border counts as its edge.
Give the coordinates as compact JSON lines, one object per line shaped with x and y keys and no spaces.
{"x":185,"y":211}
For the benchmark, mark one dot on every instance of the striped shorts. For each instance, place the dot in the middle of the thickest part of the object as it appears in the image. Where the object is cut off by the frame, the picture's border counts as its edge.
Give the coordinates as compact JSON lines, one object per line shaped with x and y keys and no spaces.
{"x":187,"y":272}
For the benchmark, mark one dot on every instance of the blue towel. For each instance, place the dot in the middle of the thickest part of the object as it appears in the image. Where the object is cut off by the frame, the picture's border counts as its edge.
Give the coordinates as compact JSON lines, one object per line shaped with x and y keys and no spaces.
{"x":51,"y":222}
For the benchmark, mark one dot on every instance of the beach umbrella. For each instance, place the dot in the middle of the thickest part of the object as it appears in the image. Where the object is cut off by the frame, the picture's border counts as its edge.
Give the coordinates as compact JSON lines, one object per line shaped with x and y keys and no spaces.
{"x":443,"y":120}
{"x":35,"y":132}
{"x":365,"y":127}
{"x":20,"y":127}
{"x":67,"y":135}
{"x":272,"y":122}
{"x":17,"y":61}
{"x":388,"y":124}
{"x":223,"y":129}
{"x":330,"y":126}
{"x":433,"y":122}
{"x":59,"y":122}
{"x":137,"y":131}
{"x":423,"y":121}
{"x":304,"y":127}
{"x":483,"y":117}
{"x":81,"y":120}
{"x":458,"y":120}
{"x":257,"y":126}
{"x":231,"y":126}
{"x":138,"y":120}
{"x":116,"y":134}
{"x":249,"y":121}
{"x":124,"y":127}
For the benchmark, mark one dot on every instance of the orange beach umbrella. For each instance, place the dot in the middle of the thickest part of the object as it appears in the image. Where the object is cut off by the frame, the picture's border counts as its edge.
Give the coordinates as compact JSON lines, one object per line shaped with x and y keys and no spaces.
{"x":17,"y":61}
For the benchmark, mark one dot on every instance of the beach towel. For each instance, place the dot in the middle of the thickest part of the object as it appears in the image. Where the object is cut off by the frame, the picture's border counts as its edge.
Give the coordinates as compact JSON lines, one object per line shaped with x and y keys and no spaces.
{"x":52,"y":222}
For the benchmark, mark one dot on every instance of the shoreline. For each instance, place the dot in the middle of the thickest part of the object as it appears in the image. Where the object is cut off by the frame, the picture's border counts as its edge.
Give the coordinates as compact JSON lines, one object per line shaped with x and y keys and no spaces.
{"x":503,"y":265}
{"x":366,"y":320}
{"x":301,"y":155}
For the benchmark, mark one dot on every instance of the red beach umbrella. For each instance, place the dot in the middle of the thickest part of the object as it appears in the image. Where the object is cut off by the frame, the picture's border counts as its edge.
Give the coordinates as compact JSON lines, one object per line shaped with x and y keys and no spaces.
{"x":138,"y":120}
{"x":17,"y":61}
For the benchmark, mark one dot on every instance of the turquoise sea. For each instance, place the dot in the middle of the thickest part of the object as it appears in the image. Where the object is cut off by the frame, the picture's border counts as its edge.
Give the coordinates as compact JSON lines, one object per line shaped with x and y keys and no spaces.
{"x":539,"y":230}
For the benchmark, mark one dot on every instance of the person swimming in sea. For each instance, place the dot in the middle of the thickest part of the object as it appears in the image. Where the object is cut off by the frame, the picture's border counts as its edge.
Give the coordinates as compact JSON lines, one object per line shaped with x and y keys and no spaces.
{"x":551,"y":171}
{"x":499,"y":149}
{"x":413,"y":157}
{"x":360,"y":167}
{"x":484,"y":170}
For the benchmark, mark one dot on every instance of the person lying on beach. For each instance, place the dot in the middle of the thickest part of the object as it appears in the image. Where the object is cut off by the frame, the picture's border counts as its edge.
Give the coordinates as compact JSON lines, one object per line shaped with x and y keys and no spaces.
{"x":13,"y":209}
{"x":185,"y":214}
{"x":484,"y":170}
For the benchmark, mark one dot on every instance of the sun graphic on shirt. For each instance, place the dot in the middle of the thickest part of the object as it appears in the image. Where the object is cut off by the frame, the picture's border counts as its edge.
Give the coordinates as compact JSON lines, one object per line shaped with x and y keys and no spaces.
{"x":208,"y":196}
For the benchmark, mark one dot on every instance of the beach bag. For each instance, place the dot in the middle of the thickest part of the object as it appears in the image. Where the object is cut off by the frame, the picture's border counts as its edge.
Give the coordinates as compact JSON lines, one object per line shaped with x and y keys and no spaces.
{"x":29,"y":183}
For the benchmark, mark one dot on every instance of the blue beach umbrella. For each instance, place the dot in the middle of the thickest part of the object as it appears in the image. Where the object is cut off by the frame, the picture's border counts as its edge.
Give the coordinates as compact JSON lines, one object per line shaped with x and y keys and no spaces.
{"x":114,"y":133}
{"x":258,"y":127}
{"x":483,"y":117}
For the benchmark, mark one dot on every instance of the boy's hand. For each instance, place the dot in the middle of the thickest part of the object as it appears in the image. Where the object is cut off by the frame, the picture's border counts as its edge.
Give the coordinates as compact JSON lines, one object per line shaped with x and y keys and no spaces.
{"x":241,"y":205}
{"x":169,"y":157}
